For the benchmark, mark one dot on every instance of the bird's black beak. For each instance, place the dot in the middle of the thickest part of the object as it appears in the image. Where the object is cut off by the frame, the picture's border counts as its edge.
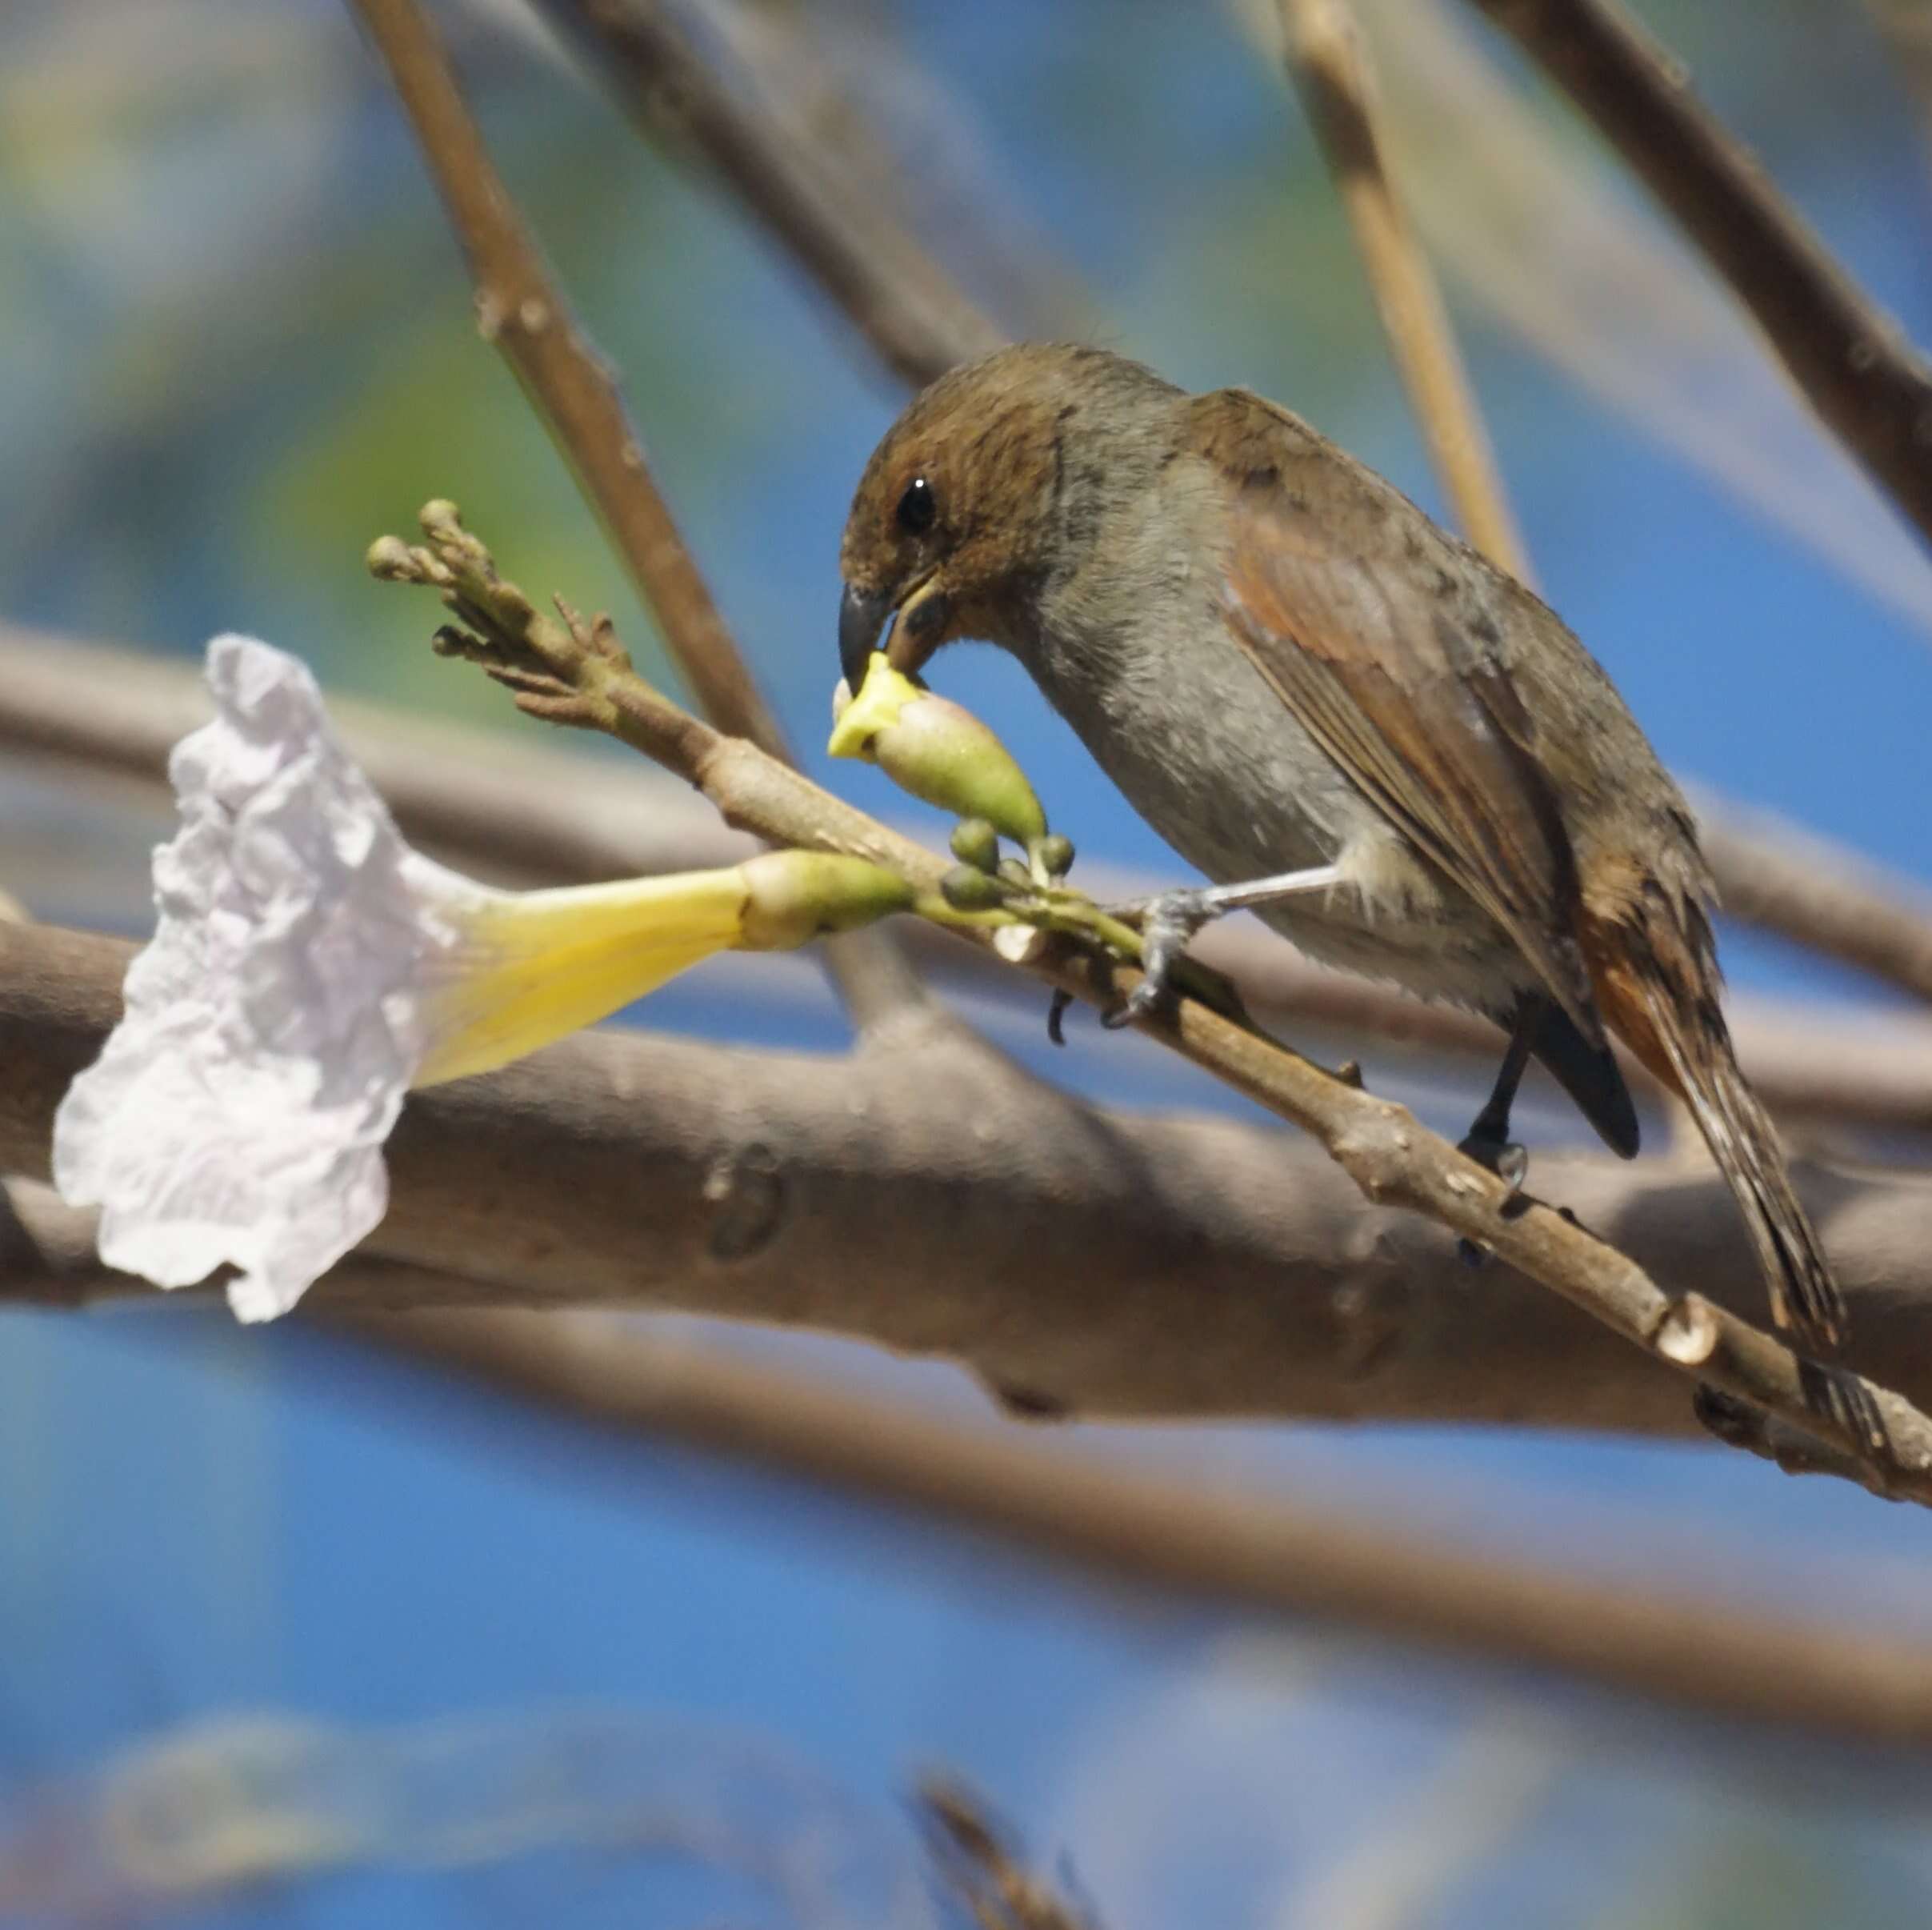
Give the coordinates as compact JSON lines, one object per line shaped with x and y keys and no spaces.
{"x":861,"y":620}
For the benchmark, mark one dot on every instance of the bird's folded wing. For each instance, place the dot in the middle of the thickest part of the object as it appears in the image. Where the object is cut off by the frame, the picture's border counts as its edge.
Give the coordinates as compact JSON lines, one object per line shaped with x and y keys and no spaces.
{"x":1381,"y":660}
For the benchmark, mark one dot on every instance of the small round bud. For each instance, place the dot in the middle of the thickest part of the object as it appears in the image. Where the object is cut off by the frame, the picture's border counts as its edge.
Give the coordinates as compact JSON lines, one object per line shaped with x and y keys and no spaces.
{"x":1054,"y":854}
{"x":389,"y":558}
{"x":1015,"y":874}
{"x":967,"y":889}
{"x":976,"y":843}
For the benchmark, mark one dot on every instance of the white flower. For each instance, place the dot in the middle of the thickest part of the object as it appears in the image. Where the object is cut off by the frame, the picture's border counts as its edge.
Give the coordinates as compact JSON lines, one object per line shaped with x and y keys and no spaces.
{"x":308,"y":968}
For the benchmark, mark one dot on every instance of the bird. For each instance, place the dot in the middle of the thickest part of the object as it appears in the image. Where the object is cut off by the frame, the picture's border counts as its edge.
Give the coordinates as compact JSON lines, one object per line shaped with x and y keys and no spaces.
{"x":1343,"y":716}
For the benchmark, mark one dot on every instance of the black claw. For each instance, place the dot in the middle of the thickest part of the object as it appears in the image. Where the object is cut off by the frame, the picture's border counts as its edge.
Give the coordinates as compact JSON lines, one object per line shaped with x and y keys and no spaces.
{"x":1141,"y":1003}
{"x":1056,"y":1016}
{"x":1167,"y":923}
{"x":1509,"y":1161}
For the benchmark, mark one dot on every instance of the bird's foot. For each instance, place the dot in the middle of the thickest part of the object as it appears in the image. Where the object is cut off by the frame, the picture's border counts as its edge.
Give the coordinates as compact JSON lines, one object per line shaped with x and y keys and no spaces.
{"x":1167,"y":923}
{"x":1509,"y":1161}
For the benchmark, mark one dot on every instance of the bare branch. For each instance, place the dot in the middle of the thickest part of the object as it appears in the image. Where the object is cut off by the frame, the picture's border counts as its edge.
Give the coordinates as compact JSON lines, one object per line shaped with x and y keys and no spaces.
{"x":522,"y":311}
{"x":522,"y":811}
{"x":1330,"y":66}
{"x":1849,"y":357}
{"x":1382,"y":1146}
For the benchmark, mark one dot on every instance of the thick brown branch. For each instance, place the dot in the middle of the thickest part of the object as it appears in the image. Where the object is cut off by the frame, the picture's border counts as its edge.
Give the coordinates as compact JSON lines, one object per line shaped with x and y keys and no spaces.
{"x":1330,"y":66}
{"x":1076,"y":1258}
{"x":1850,"y":359}
{"x":521,"y":310}
{"x":523,"y":811}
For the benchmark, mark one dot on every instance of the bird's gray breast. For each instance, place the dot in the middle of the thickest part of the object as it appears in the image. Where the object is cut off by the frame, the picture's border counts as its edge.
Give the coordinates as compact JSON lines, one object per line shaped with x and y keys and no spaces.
{"x":1150,"y":675}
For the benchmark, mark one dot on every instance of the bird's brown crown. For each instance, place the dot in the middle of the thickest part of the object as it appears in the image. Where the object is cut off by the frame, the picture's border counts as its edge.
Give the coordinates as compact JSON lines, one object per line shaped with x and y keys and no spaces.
{"x":952,"y":517}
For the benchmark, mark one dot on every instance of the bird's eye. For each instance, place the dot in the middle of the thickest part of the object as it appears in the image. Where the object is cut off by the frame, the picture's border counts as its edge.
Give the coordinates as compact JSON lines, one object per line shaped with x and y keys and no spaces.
{"x":917,"y":507}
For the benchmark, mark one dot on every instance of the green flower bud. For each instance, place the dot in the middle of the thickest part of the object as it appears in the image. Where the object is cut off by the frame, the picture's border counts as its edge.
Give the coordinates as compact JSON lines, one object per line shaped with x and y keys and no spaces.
{"x":944,"y":754}
{"x":1054,"y":854}
{"x":966,"y":889}
{"x":793,"y":897}
{"x":976,"y":843}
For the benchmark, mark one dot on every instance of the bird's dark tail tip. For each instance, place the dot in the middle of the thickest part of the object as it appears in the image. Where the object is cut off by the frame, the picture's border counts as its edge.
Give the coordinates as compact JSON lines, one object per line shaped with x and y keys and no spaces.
{"x":1805,"y":1297}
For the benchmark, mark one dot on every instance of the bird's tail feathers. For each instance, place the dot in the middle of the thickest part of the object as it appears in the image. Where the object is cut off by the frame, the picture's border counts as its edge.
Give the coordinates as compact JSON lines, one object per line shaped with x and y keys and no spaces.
{"x":1659,"y":985}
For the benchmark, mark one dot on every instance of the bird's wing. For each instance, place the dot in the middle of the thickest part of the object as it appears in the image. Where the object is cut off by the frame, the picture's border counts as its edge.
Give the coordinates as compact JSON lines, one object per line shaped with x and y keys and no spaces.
{"x":1361,"y":616}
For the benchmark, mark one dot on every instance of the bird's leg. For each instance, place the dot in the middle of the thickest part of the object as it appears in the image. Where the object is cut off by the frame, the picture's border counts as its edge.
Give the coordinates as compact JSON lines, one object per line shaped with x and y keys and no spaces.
{"x":1169,"y":921}
{"x":1488,"y":1142}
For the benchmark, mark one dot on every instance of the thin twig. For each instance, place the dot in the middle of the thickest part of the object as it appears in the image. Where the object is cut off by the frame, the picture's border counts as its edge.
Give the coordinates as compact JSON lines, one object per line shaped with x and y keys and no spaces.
{"x":584,"y":679}
{"x":1871,"y":388}
{"x":1330,"y":66}
{"x":522,"y":311}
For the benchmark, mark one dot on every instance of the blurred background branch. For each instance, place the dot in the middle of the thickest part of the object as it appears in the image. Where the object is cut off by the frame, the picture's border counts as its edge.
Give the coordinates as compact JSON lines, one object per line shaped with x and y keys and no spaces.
{"x":1330,"y":69}
{"x":1079,"y":1260}
{"x":1849,"y":358}
{"x":1119,"y":1519}
{"x":902,"y":302}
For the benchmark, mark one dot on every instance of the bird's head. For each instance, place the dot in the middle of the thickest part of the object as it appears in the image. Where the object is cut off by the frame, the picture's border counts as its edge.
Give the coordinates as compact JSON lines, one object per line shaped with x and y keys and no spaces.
{"x":967,"y":503}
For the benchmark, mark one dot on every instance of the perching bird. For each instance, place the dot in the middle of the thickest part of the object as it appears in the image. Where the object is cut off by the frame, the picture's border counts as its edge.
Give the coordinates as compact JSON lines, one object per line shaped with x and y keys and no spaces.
{"x":1296,"y":676}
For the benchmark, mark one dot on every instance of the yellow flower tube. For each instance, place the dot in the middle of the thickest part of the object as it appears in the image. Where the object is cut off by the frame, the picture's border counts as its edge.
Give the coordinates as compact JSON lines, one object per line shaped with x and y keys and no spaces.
{"x":533,"y":966}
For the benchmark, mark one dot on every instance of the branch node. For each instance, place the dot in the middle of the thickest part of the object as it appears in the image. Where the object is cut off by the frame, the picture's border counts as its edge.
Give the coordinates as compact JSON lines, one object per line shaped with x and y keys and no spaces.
{"x":1687,"y":1333}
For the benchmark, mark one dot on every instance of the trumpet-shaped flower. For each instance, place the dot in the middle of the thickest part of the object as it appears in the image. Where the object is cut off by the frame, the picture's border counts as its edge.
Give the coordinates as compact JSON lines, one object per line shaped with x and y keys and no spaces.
{"x":308,"y":967}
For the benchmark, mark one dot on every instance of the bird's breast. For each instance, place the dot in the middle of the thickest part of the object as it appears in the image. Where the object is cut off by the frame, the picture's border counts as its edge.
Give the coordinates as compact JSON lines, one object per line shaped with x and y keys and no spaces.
{"x":1205,"y":750}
